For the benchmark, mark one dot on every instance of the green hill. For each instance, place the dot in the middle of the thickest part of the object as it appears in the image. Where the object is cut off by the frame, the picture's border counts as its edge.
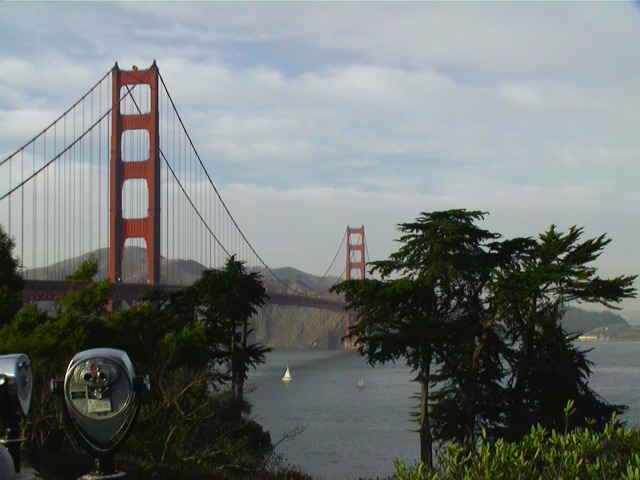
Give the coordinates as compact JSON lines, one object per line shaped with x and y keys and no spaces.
{"x":577,"y":320}
{"x":298,"y":327}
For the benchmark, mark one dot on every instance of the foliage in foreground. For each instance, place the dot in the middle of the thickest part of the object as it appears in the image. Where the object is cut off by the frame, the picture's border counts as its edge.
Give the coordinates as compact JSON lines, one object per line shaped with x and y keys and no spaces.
{"x":478,"y":319}
{"x":11,"y":281}
{"x":195,"y":424}
{"x":581,"y":454}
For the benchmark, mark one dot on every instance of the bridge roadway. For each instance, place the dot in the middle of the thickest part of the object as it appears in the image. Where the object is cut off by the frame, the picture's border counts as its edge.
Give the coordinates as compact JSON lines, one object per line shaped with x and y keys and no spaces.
{"x":50,"y":290}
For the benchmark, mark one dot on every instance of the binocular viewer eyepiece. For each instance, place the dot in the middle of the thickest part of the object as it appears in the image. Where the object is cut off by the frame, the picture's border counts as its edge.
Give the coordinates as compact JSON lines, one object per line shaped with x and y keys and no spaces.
{"x":100,"y":399}
{"x":15,"y":400}
{"x":16,"y":384}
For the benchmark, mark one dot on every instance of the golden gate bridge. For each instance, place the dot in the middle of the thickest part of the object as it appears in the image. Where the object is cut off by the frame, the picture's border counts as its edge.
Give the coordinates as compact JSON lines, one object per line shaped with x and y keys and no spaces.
{"x":118,"y":176}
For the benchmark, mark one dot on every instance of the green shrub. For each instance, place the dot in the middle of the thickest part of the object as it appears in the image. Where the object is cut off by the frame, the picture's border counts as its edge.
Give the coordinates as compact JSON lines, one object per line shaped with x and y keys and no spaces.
{"x":581,"y":454}
{"x":194,"y":425}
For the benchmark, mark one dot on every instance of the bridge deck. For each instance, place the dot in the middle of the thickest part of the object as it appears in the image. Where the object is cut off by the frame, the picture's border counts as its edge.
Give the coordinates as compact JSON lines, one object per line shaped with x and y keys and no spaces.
{"x":50,"y":290}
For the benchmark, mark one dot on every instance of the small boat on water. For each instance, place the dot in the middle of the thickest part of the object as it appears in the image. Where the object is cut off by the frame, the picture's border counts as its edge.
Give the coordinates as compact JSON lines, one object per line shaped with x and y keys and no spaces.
{"x":287,"y":376}
{"x":361,"y":383}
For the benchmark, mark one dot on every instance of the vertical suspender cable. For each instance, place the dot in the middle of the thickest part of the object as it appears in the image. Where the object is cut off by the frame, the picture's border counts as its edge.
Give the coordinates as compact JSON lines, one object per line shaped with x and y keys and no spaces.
{"x":192,"y":216}
{"x":82,"y":202}
{"x":191,"y":195}
{"x":183,"y":240}
{"x":82,"y":248}
{"x":34,"y":209}
{"x":109,"y":101}
{"x":73,"y":196}
{"x":108,"y":160}
{"x":175,"y":210}
{"x":183,"y":212}
{"x":45,"y":247}
{"x":91,"y":190}
{"x":22,"y":215}
{"x":100,"y":173}
{"x":72,"y":206}
{"x":203,"y":252}
{"x":10,"y":187}
{"x":184,"y":203}
{"x":64,"y":191}
{"x":165,"y":199}
{"x":56,"y":210}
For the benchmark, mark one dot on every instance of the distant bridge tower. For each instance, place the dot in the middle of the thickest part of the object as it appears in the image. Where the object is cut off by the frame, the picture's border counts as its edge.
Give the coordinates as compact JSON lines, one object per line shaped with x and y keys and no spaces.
{"x":355,"y":265}
{"x":121,"y":170}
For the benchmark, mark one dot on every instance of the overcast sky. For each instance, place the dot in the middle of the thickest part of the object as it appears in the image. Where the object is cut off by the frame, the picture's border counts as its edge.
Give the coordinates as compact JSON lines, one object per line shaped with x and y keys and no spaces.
{"x":314,"y":116}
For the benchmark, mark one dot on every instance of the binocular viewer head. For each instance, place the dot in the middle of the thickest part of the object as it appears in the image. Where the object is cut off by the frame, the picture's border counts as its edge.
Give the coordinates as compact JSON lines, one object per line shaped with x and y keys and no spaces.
{"x":98,"y":390}
{"x":15,"y":399}
{"x":15,"y":388}
{"x":100,"y":399}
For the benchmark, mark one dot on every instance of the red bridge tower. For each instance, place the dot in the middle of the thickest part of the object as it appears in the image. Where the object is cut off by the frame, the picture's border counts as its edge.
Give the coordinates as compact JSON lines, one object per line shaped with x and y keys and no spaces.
{"x":148,"y":169}
{"x":355,"y":264}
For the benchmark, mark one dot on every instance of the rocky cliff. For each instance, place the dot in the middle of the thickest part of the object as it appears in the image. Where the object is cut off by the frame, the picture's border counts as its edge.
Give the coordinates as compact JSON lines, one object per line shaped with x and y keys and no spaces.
{"x":297,"y":327}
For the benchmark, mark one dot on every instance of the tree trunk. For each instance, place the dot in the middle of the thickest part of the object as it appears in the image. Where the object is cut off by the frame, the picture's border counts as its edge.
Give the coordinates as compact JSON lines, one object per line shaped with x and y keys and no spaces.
{"x":472,"y":387}
{"x":518,"y":418}
{"x":242,"y":361}
{"x":233,"y":364}
{"x":426,"y":440}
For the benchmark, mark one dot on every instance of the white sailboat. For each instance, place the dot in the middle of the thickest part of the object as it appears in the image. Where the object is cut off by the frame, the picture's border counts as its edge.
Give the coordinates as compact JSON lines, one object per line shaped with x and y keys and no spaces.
{"x":361,"y":383}
{"x":287,"y":376}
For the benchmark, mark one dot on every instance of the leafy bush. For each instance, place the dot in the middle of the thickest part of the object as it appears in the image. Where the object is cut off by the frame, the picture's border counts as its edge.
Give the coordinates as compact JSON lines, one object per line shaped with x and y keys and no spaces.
{"x":194,"y":425}
{"x":581,"y":454}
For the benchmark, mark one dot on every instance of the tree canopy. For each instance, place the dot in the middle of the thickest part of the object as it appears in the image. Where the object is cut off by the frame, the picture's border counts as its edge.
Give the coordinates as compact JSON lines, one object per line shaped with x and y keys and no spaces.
{"x":192,"y":343}
{"x":477,"y":318}
{"x":11,"y":282}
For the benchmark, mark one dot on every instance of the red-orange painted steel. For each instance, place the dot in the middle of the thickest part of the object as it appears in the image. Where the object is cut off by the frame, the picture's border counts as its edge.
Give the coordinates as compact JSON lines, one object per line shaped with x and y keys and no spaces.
{"x":357,"y":247}
{"x":355,"y":261}
{"x":148,"y":227}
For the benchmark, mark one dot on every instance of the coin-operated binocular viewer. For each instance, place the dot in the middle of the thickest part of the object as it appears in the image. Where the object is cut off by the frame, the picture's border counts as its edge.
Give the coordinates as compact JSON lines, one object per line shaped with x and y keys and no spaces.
{"x":100,"y":399}
{"x":15,"y":400}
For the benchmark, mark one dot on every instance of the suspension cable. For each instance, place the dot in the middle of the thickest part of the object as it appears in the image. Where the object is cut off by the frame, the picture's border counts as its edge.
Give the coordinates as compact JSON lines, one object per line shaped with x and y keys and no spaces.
{"x":332,"y":262}
{"x":166,"y":161}
{"x":238,"y":229}
{"x":57,"y":120}
{"x":216,"y":190}
{"x":69,"y":147}
{"x":64,"y":154}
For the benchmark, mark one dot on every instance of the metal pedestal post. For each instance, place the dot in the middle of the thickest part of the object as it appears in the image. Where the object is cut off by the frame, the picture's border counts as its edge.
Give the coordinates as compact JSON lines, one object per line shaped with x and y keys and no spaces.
{"x":13,"y":442}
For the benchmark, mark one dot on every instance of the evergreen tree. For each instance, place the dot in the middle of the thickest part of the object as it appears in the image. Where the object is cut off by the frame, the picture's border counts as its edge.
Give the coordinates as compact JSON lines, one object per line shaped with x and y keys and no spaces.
{"x":486,"y":313}
{"x":547,"y":369}
{"x":430,"y":307}
{"x":227,"y":299}
{"x":192,"y":425}
{"x":220,"y":304}
{"x":11,"y":282}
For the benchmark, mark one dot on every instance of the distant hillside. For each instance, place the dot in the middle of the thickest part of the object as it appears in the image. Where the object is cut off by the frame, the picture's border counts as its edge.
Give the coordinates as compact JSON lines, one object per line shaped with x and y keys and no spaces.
{"x":175,"y":272}
{"x":275,"y":326}
{"x":577,"y":320}
{"x":605,"y":325}
{"x":297,"y":327}
{"x":291,"y":327}
{"x":301,"y":281}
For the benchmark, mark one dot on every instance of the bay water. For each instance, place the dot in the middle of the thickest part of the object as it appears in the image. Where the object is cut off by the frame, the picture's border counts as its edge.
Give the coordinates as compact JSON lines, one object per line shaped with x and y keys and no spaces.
{"x":354,"y":420}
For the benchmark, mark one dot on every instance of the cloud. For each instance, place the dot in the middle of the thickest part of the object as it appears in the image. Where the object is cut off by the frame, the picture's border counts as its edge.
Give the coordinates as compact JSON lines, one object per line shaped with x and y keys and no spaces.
{"x":311,"y":116}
